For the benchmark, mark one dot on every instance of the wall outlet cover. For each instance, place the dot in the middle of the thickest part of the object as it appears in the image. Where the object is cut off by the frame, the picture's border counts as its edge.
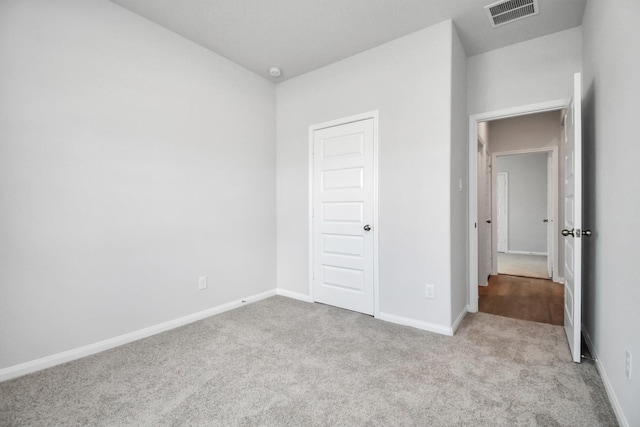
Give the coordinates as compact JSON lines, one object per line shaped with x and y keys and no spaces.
{"x":429,"y":291}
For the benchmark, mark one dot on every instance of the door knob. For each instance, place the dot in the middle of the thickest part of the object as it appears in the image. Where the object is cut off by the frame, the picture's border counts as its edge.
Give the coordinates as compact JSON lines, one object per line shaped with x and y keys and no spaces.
{"x":367,"y":227}
{"x":545,"y":220}
{"x":566,"y":233}
{"x":586,"y":233}
{"x":488,"y":221}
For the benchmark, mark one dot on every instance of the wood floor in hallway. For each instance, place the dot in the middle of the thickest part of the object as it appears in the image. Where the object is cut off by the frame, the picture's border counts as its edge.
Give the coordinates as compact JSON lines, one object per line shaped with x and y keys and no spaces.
{"x":523,"y":298}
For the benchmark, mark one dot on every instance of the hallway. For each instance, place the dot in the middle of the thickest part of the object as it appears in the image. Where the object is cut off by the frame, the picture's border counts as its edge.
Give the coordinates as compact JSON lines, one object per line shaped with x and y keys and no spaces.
{"x":523,"y":265}
{"x":524,"y":298}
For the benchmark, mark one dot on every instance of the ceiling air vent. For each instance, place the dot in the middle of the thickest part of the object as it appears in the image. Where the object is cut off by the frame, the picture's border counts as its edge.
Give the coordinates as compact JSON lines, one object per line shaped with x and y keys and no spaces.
{"x":507,"y":11}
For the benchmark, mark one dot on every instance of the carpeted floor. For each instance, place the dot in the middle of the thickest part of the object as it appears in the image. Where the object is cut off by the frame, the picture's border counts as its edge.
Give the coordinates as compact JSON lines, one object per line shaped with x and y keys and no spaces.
{"x":281,"y":362}
{"x":523,"y":265}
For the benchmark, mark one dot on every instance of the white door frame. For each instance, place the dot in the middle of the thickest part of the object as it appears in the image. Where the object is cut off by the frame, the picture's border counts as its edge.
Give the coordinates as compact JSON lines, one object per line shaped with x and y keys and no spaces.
{"x":474,"y":119}
{"x":552,"y":172}
{"x":337,"y":122}
{"x":553,"y":245}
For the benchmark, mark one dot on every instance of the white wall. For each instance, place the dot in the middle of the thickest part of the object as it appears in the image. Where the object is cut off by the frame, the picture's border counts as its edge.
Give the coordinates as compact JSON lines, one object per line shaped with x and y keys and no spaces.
{"x":408,"y":80}
{"x":611,"y":87}
{"x":132,"y":161}
{"x":459,"y":180}
{"x":530,"y":72}
{"x":527,"y":202}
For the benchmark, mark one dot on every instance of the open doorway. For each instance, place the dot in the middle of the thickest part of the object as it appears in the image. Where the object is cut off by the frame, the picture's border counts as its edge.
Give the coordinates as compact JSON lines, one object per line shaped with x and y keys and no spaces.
{"x":525,"y":204}
{"x":569,"y":225}
{"x":517,"y":198}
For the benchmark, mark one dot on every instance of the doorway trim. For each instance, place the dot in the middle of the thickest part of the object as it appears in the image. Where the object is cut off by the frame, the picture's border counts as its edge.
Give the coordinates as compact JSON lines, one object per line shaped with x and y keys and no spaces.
{"x":474,"y":119}
{"x":373,"y":115}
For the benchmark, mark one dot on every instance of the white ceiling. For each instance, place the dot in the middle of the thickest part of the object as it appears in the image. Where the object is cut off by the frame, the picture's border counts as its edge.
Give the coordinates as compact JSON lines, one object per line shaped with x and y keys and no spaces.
{"x":302,"y":35}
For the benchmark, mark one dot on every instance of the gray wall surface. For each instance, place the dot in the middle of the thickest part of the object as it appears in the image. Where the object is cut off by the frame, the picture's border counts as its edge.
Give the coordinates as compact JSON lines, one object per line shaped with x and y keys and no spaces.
{"x":415,"y":238}
{"x":527,"y":200}
{"x":611,"y":89}
{"x":131,"y":162}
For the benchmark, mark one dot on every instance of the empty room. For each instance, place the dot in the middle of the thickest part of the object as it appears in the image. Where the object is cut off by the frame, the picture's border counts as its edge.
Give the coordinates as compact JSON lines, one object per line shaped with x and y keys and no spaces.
{"x":221,"y":212}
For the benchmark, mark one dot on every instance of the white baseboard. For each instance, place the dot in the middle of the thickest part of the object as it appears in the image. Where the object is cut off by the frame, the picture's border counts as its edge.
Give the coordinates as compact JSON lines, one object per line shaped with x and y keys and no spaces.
{"x":426,"y":326}
{"x":390,"y":317}
{"x":294,"y":295}
{"x":459,"y":320}
{"x":77,"y":353}
{"x":526,"y":253}
{"x":617,"y":409}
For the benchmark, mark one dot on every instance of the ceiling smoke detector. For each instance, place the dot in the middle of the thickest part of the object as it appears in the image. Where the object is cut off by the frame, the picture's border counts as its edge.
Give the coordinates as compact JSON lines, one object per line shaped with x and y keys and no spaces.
{"x":506,"y":11}
{"x":275,"y":72}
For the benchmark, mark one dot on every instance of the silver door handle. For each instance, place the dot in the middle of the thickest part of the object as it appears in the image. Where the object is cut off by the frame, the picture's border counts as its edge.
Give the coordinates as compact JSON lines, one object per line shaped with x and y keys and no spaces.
{"x":586,"y":233}
{"x":367,"y":227}
{"x":545,"y":220}
{"x":566,"y":233}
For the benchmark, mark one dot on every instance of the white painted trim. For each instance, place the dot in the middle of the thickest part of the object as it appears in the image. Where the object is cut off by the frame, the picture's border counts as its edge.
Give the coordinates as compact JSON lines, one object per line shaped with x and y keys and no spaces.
{"x":77,"y":353}
{"x":526,"y":253}
{"x":474,"y":119}
{"x":310,"y":212}
{"x":459,"y":320}
{"x":425,"y":326}
{"x":294,"y":295}
{"x":473,"y":215}
{"x":376,"y":193}
{"x":615,"y":404}
{"x":552,"y":201}
{"x":374,"y":115}
{"x":522,"y":110}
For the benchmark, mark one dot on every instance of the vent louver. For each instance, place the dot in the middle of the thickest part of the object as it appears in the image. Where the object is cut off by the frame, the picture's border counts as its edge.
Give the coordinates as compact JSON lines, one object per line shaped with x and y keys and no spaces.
{"x":503,"y":12}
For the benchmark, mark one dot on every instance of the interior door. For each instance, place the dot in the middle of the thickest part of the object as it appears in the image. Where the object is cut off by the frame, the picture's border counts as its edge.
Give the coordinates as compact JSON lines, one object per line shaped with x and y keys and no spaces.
{"x":484,"y":215}
{"x":502,"y":196}
{"x":488,"y":215}
{"x":343,"y":213}
{"x":572,"y":231}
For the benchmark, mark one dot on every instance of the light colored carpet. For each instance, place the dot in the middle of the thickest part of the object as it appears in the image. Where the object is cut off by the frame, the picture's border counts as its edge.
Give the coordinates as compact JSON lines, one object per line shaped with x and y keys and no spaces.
{"x":281,"y":362}
{"x":523,"y":265}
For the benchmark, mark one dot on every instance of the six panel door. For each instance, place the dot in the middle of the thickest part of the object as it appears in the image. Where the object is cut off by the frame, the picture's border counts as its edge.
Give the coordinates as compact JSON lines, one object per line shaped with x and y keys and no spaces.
{"x":343,"y":192}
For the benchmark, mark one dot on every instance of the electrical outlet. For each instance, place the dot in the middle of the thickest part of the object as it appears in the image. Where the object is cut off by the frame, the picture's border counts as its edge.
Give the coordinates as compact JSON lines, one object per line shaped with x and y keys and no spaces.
{"x":627,"y":368}
{"x":202,"y":282}
{"x":429,"y":291}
